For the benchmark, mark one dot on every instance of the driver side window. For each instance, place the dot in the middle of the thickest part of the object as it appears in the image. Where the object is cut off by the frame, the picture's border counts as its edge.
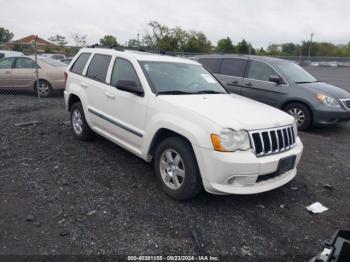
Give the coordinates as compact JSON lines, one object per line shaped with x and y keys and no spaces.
{"x":123,"y":70}
{"x":260,"y":71}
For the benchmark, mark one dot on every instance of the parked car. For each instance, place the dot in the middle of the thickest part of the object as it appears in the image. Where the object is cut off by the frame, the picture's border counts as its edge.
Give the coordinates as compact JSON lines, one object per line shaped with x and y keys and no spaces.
{"x":174,"y":112}
{"x":6,"y":53}
{"x":19,"y":73}
{"x":54,"y":56}
{"x":281,"y":84}
{"x":67,"y":60}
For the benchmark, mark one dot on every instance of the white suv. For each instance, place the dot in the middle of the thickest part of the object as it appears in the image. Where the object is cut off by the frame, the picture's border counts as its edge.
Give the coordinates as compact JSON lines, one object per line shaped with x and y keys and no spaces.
{"x":174,"y":112}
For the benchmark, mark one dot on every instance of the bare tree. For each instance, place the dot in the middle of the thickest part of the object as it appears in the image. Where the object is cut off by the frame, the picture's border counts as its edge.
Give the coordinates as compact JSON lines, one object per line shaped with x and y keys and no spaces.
{"x":79,"y":39}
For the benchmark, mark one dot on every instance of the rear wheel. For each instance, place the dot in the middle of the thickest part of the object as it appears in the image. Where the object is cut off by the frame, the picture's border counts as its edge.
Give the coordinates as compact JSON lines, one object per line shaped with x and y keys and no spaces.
{"x":80,"y":127}
{"x":45,"y":88}
{"x":301,"y":114}
{"x":176,"y":169}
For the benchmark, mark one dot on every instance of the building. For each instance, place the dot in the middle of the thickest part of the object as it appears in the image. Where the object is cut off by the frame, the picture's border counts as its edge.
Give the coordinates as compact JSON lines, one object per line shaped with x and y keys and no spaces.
{"x":26,"y":43}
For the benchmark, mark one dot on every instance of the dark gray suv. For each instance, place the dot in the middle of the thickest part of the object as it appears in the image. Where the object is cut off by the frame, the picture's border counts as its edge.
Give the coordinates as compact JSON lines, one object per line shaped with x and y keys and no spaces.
{"x":282,"y":84}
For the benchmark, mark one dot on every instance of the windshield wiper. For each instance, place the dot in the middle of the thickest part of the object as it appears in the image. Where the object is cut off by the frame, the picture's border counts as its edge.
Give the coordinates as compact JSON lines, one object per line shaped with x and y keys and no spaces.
{"x":173,"y":92}
{"x":306,"y":82}
{"x":208,"y":92}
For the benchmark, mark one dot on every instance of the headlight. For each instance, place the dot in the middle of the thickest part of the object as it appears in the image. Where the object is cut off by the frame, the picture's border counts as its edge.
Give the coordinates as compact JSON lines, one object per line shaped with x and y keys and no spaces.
{"x":230,"y":140}
{"x":327,"y":100}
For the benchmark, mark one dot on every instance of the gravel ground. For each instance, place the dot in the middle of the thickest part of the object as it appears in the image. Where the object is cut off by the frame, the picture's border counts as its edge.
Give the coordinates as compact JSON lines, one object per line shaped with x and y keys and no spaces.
{"x":60,"y":196}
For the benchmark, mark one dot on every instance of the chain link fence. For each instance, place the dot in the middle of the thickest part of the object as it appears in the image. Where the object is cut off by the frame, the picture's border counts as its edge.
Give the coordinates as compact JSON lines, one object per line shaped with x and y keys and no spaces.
{"x":37,"y":69}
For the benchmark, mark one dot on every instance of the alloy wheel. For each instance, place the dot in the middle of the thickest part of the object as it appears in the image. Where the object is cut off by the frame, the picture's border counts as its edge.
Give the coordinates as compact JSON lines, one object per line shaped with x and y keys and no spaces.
{"x":298,"y":115}
{"x":172,"y":169}
{"x":77,"y":122}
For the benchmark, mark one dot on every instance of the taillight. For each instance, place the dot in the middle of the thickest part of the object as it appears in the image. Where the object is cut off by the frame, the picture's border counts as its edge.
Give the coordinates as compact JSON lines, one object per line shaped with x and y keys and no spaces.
{"x":65,"y":79}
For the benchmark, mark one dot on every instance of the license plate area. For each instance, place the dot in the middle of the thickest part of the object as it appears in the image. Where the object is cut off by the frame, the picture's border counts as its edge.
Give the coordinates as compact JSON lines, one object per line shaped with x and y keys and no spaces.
{"x":286,"y":164}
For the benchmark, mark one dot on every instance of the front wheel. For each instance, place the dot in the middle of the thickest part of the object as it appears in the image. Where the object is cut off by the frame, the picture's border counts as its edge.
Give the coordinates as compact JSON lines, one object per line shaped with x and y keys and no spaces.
{"x":176,"y":169}
{"x":301,"y":114}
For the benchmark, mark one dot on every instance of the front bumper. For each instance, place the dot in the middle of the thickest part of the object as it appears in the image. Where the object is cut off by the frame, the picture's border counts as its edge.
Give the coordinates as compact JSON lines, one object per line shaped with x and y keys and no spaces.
{"x":238,"y":172}
{"x":330,"y":117}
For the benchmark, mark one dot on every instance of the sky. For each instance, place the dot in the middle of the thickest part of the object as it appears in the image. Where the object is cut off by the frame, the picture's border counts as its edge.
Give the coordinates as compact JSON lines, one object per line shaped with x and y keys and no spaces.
{"x":261,"y":22}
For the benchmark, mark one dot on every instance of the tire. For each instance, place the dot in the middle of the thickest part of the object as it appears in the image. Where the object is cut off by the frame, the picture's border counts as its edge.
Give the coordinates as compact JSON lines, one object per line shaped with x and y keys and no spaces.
{"x":45,"y":89}
{"x":80,"y":127}
{"x":181,"y":187}
{"x":301,"y":113}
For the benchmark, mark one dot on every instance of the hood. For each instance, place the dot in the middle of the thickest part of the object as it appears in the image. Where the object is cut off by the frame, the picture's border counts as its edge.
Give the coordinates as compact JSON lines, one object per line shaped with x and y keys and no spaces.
{"x":327,"y":89}
{"x":231,"y":111}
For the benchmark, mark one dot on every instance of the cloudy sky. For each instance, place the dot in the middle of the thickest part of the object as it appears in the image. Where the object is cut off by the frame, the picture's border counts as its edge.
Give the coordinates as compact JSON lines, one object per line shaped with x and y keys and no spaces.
{"x":259,"y":21}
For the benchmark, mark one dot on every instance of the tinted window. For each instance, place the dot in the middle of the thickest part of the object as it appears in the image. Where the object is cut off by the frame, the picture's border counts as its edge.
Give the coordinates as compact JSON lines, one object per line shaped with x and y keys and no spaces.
{"x":2,"y":55}
{"x":80,"y":63}
{"x":6,"y":63}
{"x":260,"y":71}
{"x":98,"y":67}
{"x":213,"y":64}
{"x":123,"y":70}
{"x":233,"y":67}
{"x":23,"y":63}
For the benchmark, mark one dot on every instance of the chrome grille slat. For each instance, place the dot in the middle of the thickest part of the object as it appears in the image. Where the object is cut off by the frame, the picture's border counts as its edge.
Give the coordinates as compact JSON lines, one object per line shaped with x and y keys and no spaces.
{"x":265,"y":141}
{"x":346,"y":103}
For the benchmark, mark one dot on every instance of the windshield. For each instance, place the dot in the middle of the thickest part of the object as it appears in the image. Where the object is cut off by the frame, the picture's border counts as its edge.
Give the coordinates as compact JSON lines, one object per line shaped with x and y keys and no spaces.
{"x":180,"y":78}
{"x":52,"y":62}
{"x":296,"y":73}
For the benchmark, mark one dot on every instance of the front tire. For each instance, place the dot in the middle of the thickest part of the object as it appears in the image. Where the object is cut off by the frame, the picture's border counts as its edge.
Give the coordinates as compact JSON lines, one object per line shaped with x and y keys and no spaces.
{"x":176,"y":169}
{"x":80,"y":127}
{"x":301,"y":113}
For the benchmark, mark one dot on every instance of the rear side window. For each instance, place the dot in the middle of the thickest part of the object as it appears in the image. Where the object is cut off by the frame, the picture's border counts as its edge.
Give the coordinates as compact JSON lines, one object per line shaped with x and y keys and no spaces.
{"x":233,"y":67}
{"x":123,"y":70}
{"x":260,"y":71}
{"x":80,"y":63}
{"x":2,"y":55}
{"x":24,"y":63}
{"x":212,"y":64}
{"x":98,"y":67}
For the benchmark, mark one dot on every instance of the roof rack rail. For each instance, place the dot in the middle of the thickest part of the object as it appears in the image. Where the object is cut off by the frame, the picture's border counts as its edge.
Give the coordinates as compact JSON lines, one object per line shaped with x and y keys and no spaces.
{"x":115,"y":47}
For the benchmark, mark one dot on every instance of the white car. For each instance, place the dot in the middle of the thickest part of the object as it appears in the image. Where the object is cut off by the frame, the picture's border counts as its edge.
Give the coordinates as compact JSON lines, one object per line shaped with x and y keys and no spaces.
{"x":173,"y":112}
{"x":6,"y":53}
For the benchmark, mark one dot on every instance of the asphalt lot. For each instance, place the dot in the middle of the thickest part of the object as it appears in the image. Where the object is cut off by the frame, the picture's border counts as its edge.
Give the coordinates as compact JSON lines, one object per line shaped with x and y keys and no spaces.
{"x":62,"y":196}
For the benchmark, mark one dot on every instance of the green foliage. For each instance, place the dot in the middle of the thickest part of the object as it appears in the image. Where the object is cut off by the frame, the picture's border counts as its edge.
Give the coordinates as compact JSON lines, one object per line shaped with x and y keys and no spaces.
{"x":109,"y":40}
{"x":5,"y":35}
{"x":225,"y":46}
{"x":133,"y":43}
{"x":58,"y":39}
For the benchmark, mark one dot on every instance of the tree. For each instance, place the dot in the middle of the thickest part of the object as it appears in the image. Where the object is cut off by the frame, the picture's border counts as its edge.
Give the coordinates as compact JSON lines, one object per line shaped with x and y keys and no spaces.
{"x":225,"y":46}
{"x":243,"y":47}
{"x":133,"y":43}
{"x":80,"y":40}
{"x":59,"y":40}
{"x":197,"y":43}
{"x":5,"y":35}
{"x":109,"y":40}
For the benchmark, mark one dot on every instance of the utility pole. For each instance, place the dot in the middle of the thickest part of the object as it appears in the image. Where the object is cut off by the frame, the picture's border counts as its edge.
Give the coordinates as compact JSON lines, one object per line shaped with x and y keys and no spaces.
{"x":138,"y":39}
{"x":36,"y":67}
{"x":309,"y":54}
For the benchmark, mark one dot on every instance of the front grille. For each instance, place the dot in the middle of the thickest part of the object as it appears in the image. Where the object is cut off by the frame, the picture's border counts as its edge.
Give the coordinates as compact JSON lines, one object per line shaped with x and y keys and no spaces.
{"x":346,"y":103}
{"x":272,"y":141}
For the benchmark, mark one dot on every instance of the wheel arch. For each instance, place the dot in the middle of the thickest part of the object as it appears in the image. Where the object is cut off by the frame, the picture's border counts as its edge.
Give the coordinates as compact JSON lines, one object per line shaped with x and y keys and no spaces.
{"x":73,"y":98}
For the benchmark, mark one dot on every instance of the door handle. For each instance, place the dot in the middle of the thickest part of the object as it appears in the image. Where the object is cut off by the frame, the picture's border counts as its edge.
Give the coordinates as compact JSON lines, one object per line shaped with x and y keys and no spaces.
{"x":83,"y":85}
{"x":234,"y":83}
{"x":8,"y":72}
{"x":249,"y":84}
{"x":109,"y":95}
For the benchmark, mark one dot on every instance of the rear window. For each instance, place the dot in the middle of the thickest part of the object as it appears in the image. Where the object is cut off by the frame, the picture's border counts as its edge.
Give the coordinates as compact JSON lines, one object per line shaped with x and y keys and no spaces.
{"x":98,"y":67}
{"x":212,"y":64}
{"x":80,"y":63}
{"x":233,"y":67}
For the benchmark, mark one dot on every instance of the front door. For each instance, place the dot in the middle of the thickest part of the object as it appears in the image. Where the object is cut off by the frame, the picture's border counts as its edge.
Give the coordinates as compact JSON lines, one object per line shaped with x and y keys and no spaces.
{"x":126,"y":110}
{"x":257,"y":86}
{"x":6,"y":65}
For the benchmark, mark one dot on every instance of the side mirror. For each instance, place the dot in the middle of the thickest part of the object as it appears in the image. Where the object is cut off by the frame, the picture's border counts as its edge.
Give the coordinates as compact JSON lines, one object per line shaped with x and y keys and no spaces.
{"x":276,"y":79}
{"x":130,"y":86}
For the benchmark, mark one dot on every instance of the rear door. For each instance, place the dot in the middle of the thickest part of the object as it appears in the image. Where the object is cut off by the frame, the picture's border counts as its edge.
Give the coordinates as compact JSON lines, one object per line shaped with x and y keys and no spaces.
{"x":23,"y":74}
{"x":231,"y":73}
{"x":256,"y":84}
{"x":6,"y":65}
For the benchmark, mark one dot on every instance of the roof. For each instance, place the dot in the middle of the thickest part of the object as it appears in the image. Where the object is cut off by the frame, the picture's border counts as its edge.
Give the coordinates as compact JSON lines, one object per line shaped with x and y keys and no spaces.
{"x":140,"y":56}
{"x":29,"y":38}
{"x":263,"y":58}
